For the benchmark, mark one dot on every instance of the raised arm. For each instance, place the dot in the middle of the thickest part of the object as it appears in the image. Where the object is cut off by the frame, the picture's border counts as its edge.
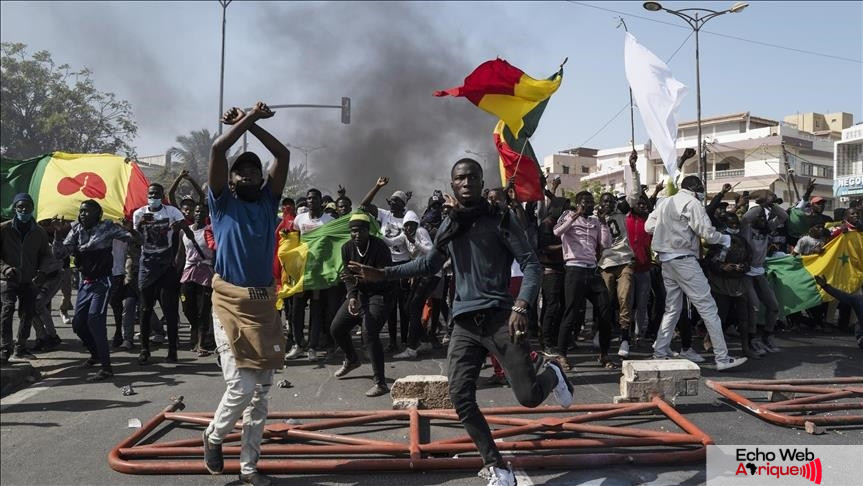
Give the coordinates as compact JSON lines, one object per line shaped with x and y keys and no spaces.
{"x":240,"y":123}
{"x":197,"y":187}
{"x":366,"y":202}
{"x":279,"y":170}
{"x":172,"y":191}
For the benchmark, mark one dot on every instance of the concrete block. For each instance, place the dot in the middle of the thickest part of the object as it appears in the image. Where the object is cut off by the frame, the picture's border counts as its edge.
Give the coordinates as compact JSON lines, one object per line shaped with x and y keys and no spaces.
{"x":641,"y":380}
{"x":421,"y":391}
{"x":813,"y":429}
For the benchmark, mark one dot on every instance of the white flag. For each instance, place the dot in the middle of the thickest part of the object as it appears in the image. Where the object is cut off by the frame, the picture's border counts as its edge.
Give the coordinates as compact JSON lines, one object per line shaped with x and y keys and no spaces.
{"x":657,"y":95}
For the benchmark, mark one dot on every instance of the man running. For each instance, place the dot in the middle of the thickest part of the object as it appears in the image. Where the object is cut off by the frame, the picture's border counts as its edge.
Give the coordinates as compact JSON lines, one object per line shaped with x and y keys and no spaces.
{"x":482,"y":242}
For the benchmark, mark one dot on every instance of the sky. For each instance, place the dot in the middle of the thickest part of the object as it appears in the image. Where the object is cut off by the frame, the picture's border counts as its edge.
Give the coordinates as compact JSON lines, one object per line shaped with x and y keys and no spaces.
{"x":389,"y":57}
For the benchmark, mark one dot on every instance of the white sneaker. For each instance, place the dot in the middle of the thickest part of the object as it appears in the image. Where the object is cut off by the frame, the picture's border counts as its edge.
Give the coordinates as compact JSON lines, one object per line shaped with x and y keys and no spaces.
{"x":424,"y":348}
{"x":563,"y":388}
{"x":294,"y":352}
{"x":729,"y":363}
{"x":756,"y":345}
{"x":313,"y":355}
{"x":691,"y":355}
{"x":770,"y":344}
{"x":498,"y":476}
{"x":624,"y":349}
{"x":408,"y":353}
{"x":66,"y":320}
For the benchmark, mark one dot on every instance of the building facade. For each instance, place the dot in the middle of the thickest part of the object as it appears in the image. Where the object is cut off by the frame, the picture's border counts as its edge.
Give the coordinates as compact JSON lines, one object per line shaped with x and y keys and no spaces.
{"x":848,"y":165}
{"x":746,"y":151}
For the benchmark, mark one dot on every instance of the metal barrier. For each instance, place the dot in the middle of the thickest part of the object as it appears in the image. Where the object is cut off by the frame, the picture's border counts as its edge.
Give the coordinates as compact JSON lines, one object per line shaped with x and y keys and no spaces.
{"x":814,"y":391}
{"x":568,"y":441}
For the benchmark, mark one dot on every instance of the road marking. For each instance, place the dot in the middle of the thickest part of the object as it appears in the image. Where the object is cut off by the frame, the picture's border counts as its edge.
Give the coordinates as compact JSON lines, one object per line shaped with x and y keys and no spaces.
{"x":27,"y":393}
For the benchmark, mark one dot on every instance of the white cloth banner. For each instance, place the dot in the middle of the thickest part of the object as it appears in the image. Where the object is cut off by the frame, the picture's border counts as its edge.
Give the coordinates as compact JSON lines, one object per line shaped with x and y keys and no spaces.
{"x":657,"y":95}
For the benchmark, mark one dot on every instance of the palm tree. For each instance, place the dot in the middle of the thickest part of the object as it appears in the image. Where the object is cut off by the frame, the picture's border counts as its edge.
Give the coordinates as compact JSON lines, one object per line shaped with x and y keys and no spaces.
{"x":298,"y":181}
{"x":194,"y":151}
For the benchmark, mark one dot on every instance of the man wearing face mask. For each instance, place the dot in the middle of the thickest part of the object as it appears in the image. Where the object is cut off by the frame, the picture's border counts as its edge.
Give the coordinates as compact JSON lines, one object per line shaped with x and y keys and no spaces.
{"x":755,"y":227}
{"x":677,"y":225}
{"x":24,"y":255}
{"x":157,"y":276}
{"x":243,"y":211}
{"x":91,"y":242}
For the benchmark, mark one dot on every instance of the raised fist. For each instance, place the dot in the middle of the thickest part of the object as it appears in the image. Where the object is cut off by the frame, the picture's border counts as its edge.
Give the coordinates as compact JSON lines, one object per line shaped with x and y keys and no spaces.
{"x":233,"y":115}
{"x":382,"y":181}
{"x":261,"y":110}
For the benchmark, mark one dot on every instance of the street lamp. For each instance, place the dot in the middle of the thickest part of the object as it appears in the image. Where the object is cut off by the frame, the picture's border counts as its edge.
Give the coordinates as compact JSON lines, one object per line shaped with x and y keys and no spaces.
{"x":696,"y":20}
{"x":224,"y":4}
{"x":306,"y":151}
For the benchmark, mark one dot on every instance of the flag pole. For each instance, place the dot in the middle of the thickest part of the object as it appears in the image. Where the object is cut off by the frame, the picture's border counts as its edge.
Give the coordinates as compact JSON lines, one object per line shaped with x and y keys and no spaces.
{"x":631,"y":111}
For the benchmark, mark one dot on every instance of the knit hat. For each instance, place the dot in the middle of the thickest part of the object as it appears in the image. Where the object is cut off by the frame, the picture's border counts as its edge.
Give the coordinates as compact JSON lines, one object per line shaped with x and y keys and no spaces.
{"x":360,"y":219}
{"x":22,"y":196}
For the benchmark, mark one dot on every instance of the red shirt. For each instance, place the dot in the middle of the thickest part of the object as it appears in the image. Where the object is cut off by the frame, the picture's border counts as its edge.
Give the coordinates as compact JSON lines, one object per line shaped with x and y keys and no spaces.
{"x":639,"y":241}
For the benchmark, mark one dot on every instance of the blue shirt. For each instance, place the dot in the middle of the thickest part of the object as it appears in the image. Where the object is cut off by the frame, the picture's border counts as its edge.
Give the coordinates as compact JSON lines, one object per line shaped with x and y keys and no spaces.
{"x":245,"y":237}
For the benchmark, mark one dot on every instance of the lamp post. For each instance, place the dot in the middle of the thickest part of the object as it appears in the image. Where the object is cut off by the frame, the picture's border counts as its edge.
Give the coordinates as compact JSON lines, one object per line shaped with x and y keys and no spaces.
{"x":224,"y":4}
{"x":306,"y":151}
{"x":696,"y":18}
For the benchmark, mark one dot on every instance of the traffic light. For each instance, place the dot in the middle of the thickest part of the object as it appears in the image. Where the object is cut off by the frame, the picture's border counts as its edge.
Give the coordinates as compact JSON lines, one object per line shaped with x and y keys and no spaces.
{"x":346,"y":110}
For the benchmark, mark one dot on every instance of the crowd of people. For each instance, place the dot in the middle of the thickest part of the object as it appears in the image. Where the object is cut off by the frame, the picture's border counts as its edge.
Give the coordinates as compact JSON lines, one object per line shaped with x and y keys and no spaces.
{"x":479,"y":271}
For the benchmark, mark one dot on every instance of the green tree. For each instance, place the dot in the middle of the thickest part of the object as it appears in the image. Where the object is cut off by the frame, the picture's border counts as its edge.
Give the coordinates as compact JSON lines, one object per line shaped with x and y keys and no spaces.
{"x":45,"y":107}
{"x":193,"y":150}
{"x":299,"y":181}
{"x":594,"y":187}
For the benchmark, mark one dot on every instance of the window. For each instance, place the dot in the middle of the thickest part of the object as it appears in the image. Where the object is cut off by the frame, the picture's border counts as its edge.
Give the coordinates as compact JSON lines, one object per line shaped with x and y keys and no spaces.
{"x":585,"y":169}
{"x":565,"y":169}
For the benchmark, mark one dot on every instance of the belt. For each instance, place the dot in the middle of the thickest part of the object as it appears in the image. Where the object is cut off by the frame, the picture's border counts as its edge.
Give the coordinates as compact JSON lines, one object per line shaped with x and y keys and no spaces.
{"x":681,"y":257}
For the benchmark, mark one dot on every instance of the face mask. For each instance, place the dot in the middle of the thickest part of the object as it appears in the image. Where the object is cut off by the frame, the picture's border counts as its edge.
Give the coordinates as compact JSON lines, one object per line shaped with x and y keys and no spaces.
{"x":701,"y":196}
{"x":23,"y":217}
{"x":248,"y":192}
{"x":154,"y":203}
{"x":732,"y":231}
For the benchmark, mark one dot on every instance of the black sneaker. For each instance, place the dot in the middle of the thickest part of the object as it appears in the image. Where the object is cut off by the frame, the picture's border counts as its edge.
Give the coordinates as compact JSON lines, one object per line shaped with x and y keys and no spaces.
{"x":377,"y":391}
{"x":172,"y":357}
{"x":5,"y":354}
{"x":41,"y":345}
{"x":256,"y":479}
{"x":22,"y":353}
{"x":101,"y":375}
{"x":117,"y":341}
{"x":144,"y":357}
{"x":89,"y":363}
{"x":213,"y":458}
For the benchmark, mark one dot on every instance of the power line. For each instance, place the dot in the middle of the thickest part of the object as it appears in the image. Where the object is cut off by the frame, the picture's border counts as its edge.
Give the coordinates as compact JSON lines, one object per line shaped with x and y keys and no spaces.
{"x":742,"y":39}
{"x":603,"y":127}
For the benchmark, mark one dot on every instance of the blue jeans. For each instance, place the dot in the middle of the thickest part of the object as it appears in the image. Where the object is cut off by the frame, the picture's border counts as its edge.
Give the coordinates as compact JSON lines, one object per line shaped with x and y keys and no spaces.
{"x":89,"y":322}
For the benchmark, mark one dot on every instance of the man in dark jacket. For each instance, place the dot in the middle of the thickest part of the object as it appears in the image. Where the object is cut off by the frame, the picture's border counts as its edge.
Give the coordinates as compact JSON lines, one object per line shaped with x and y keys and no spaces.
{"x":24,"y":254}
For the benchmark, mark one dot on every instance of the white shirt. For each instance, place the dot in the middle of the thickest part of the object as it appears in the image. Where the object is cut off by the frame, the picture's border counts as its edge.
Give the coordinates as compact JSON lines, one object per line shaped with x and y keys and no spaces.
{"x":163,"y":219}
{"x":391,"y":227}
{"x":305,"y":222}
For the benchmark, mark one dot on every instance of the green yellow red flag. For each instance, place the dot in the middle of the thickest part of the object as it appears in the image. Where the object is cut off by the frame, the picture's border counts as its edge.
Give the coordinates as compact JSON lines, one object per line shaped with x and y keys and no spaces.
{"x":59,"y":182}
{"x":506,"y":92}
{"x":792,"y":277}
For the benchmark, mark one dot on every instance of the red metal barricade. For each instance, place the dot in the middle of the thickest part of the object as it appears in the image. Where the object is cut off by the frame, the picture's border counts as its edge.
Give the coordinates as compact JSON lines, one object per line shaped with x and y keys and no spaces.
{"x":799,"y":396}
{"x":559,"y":438}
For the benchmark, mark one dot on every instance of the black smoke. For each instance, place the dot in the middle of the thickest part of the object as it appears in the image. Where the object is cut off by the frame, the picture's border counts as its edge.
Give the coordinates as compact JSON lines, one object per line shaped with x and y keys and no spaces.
{"x":389,"y":59}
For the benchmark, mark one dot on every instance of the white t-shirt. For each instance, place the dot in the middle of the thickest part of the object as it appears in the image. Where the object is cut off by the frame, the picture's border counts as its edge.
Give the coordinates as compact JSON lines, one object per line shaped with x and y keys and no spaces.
{"x":305,"y":222}
{"x":159,"y":235}
{"x":391,"y":227}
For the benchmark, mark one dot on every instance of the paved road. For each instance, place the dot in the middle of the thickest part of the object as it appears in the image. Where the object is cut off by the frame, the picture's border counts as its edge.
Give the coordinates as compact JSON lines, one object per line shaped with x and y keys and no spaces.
{"x":59,"y":430}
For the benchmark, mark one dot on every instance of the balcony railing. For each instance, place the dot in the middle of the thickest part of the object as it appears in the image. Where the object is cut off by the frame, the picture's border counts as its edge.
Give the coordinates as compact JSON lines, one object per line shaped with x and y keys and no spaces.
{"x":725,"y":174}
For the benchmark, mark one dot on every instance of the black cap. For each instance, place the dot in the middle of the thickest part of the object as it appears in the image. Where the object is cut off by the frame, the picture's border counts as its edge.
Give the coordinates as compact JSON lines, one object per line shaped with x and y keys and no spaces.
{"x":247,"y":158}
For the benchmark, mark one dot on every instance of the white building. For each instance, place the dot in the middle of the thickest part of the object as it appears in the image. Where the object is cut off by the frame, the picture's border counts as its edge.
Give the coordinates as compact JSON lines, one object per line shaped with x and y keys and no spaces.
{"x":848,"y":165}
{"x":571,"y":165}
{"x":743,"y":150}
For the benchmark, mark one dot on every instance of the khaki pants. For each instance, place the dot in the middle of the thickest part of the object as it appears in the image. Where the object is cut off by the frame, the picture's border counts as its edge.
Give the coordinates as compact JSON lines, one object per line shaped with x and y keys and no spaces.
{"x":618,"y":281}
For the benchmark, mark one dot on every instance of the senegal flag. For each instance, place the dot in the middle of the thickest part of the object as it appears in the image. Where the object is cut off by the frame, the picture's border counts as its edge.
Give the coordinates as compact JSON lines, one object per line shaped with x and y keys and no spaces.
{"x":59,"y":182}
{"x":506,"y":92}
{"x":792,"y":280}
{"x":314,"y":261}
{"x":518,"y":162}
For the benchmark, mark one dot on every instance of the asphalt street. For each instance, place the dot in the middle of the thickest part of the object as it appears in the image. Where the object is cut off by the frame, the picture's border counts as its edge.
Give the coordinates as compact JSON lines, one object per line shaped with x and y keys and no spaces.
{"x":59,"y":430}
